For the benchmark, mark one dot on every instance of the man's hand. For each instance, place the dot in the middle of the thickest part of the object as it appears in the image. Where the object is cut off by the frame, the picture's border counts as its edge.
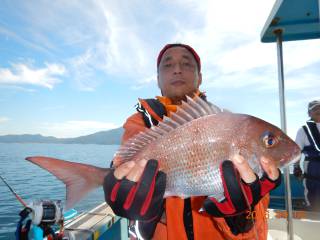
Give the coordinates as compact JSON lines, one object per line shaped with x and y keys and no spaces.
{"x":297,"y":171}
{"x":135,"y":190}
{"x":24,"y":224}
{"x":243,"y":190}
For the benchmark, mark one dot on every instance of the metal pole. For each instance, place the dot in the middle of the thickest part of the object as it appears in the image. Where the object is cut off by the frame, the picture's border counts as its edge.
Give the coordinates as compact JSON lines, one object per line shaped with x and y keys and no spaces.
{"x":278,"y":33}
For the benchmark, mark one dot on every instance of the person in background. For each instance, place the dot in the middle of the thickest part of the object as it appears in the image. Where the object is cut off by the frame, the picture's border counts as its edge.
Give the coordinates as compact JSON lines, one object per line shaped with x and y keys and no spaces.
{"x":135,"y":190}
{"x":308,"y":139}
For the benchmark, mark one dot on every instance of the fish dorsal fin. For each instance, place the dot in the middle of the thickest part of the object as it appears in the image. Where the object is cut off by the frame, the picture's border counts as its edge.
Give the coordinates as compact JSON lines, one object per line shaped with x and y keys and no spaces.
{"x":192,"y":109}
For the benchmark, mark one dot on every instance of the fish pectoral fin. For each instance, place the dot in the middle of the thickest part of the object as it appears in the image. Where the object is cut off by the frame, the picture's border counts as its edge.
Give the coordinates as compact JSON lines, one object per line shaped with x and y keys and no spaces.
{"x":79,"y":178}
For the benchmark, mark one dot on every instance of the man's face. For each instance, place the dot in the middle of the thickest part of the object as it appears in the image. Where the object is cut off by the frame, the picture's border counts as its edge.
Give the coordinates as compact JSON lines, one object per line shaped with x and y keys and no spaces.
{"x":178,"y":74}
{"x":315,"y":114}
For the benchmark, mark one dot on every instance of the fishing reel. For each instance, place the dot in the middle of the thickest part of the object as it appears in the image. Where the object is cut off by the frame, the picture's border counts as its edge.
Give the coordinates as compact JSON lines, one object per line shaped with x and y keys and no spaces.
{"x":42,"y":214}
{"x":39,"y":219}
{"x":46,"y":212}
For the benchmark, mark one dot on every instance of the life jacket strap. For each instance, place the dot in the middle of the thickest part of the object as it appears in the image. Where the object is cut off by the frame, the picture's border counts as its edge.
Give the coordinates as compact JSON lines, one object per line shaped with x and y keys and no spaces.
{"x":313,"y":134}
{"x":152,"y":111}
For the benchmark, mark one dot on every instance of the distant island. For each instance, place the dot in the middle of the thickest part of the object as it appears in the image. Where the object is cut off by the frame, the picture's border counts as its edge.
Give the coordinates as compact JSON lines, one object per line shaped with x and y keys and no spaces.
{"x":110,"y":137}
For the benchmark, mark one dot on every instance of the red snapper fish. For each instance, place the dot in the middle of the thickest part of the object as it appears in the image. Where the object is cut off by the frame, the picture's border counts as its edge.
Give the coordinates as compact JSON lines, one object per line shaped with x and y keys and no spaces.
{"x":190,"y":145}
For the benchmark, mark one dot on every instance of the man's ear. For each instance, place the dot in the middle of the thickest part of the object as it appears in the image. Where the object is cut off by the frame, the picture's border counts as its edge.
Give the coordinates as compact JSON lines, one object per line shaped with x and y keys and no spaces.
{"x":158,"y":81}
{"x":159,"y":84}
{"x":199,"y":80}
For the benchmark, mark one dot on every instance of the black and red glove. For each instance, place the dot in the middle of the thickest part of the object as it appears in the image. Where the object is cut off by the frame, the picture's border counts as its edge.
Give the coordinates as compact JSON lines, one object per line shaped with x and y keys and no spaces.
{"x":142,"y":200}
{"x":240,"y":197}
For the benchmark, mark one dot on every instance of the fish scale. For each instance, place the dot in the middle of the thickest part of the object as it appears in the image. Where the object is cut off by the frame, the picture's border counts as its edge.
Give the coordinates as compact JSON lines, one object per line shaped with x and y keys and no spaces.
{"x":188,"y":160}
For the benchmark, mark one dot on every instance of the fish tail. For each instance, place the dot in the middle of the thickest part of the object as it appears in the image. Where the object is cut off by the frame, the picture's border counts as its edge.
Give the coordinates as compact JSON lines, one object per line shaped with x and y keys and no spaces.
{"x":79,"y":178}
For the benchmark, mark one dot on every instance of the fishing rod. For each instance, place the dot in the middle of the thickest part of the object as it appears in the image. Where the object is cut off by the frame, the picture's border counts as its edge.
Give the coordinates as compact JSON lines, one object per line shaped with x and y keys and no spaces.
{"x":14,"y":193}
{"x":45,"y":213}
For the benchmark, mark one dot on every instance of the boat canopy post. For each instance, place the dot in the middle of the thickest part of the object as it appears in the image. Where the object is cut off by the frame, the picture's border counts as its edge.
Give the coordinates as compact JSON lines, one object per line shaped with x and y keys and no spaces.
{"x":288,"y":200}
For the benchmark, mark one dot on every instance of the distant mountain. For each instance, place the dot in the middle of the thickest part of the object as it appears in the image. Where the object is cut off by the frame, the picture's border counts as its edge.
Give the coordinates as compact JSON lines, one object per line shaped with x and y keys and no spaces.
{"x":110,"y":137}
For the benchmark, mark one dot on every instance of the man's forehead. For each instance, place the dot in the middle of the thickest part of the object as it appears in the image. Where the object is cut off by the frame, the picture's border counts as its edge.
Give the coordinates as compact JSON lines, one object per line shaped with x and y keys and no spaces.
{"x":177,"y":52}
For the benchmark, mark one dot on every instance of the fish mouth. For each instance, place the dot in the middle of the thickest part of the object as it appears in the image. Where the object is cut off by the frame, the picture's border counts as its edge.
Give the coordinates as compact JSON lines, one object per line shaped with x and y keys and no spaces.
{"x":284,"y":161}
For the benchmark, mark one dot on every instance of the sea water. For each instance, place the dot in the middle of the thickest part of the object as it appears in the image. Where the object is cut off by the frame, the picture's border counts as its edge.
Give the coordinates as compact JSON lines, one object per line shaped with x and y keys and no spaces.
{"x":33,"y":183}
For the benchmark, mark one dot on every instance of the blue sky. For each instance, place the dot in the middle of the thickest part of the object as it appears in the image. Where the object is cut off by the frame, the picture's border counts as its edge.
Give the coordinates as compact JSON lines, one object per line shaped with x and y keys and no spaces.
{"x":71,"y":68}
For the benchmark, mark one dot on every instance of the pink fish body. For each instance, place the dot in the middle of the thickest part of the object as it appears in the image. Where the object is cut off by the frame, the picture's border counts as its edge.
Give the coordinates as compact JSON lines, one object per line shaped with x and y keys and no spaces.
{"x":190,"y":145}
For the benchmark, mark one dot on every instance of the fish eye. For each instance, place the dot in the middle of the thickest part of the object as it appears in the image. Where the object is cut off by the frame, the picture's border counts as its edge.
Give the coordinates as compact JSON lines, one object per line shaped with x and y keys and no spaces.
{"x":269,"y":140}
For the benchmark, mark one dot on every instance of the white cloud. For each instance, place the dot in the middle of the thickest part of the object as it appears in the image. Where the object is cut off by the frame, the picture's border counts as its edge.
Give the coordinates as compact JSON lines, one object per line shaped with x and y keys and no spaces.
{"x":121,"y":47}
{"x":123,"y":38}
{"x":108,"y":38}
{"x":4,"y":120}
{"x":22,"y":74}
{"x":232,"y":55}
{"x":17,"y":88}
{"x":82,"y":69}
{"x":75,"y":128}
{"x":145,"y":82}
{"x":15,"y":36}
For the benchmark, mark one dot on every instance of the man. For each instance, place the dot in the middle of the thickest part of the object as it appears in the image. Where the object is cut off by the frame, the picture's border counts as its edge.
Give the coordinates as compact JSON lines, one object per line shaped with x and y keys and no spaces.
{"x":308,"y":139}
{"x":179,"y":75}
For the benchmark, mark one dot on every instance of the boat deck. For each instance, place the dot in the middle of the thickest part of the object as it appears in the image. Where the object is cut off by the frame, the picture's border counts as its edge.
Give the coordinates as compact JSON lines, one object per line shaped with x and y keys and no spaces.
{"x":99,"y":223}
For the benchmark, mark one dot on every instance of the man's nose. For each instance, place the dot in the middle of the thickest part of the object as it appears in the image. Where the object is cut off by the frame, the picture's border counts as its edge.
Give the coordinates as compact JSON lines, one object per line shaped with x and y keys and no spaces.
{"x":177,"y":68}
